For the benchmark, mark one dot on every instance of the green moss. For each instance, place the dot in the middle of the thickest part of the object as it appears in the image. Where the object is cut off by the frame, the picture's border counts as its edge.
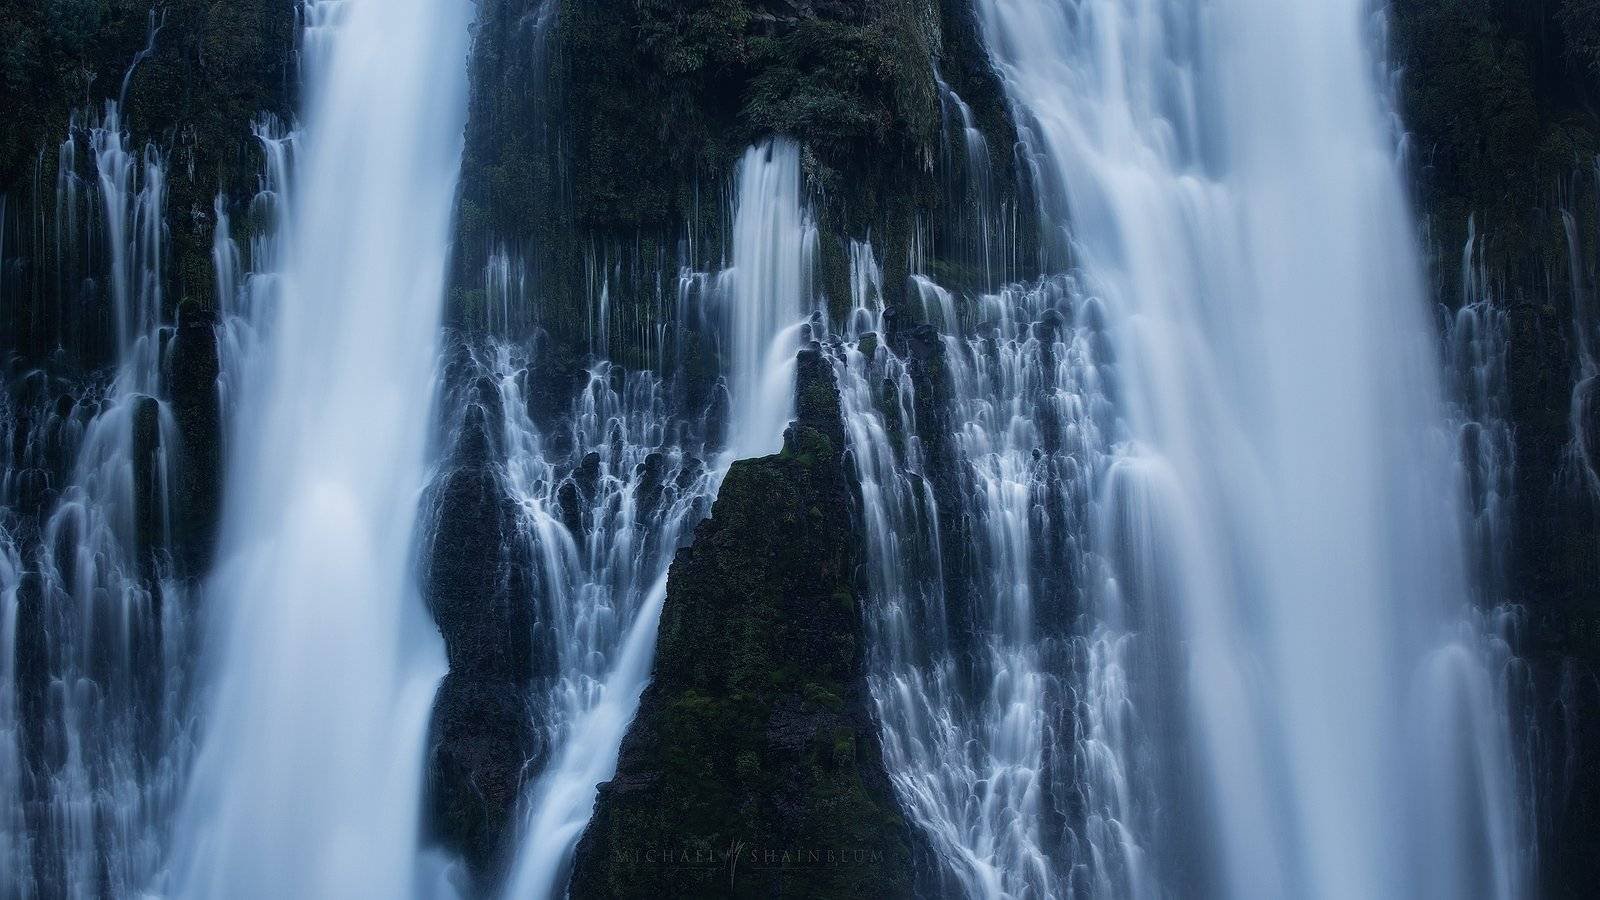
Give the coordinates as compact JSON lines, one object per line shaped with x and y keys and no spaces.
{"x":807,"y":446}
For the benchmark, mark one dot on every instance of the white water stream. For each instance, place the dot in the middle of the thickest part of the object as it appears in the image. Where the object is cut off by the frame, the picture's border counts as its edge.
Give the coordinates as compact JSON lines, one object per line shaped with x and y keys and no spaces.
{"x":1281,"y":500}
{"x":324,"y":662}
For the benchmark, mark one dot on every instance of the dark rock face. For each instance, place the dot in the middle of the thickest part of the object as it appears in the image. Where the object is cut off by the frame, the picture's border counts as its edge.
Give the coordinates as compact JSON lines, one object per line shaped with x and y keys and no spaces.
{"x":197,"y":408}
{"x":1556,"y":577}
{"x":753,"y":767}
{"x":477,"y":586}
{"x":35,"y":737}
{"x":1500,"y":99}
{"x":816,"y":403}
{"x":216,"y":68}
{"x":697,"y":82}
{"x":482,"y":737}
{"x":477,"y":580}
{"x":551,"y":384}
{"x":147,"y":482}
{"x":33,"y":682}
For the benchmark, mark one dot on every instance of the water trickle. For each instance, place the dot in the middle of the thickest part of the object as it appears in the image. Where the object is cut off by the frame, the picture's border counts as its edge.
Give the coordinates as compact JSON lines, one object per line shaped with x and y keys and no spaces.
{"x":249,"y":279}
{"x":133,"y":190}
{"x":1583,"y":454}
{"x":323,"y":661}
{"x":1476,"y":341}
{"x":976,"y":503}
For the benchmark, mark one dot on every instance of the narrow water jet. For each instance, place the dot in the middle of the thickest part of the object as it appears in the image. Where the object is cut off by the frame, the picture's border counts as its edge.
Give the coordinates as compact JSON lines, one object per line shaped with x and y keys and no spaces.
{"x":1583,"y":454}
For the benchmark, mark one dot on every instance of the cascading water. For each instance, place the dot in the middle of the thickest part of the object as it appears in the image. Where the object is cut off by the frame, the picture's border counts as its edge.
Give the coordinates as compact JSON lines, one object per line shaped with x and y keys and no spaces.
{"x":92,"y":736}
{"x":766,"y":292}
{"x":1476,"y":341}
{"x":621,"y":482}
{"x":1273,"y":540}
{"x":248,"y":279}
{"x":607,"y":500}
{"x":15,"y":853}
{"x":309,"y":771}
{"x":976,"y":506}
{"x":1477,"y":344}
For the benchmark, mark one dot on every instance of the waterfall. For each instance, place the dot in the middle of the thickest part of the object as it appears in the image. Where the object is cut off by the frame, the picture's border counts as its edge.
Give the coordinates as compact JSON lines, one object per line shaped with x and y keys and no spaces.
{"x":1281,"y":472}
{"x":975,"y":496}
{"x":1192,"y":595}
{"x":608,"y":493}
{"x":616,"y":489}
{"x":92,"y":735}
{"x":322,"y":661}
{"x":766,"y":291}
{"x":1186,"y":565}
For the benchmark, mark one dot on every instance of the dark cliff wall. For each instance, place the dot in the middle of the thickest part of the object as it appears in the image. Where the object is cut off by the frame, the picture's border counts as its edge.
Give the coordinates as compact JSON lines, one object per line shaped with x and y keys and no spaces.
{"x":1501,"y":100}
{"x":753,"y":766}
{"x":604,"y":134}
{"x":214,"y":69}
{"x":1500,"y":106}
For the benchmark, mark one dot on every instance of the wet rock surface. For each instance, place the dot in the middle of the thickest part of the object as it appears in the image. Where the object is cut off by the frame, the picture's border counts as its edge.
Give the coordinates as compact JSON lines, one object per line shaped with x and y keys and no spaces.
{"x":484,"y":740}
{"x":753,"y":766}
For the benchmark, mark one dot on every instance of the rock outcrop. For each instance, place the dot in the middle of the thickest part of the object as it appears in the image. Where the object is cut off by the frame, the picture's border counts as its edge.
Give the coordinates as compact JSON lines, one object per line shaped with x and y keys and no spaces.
{"x":753,"y":766}
{"x":478,"y":582}
{"x":194,"y":365}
